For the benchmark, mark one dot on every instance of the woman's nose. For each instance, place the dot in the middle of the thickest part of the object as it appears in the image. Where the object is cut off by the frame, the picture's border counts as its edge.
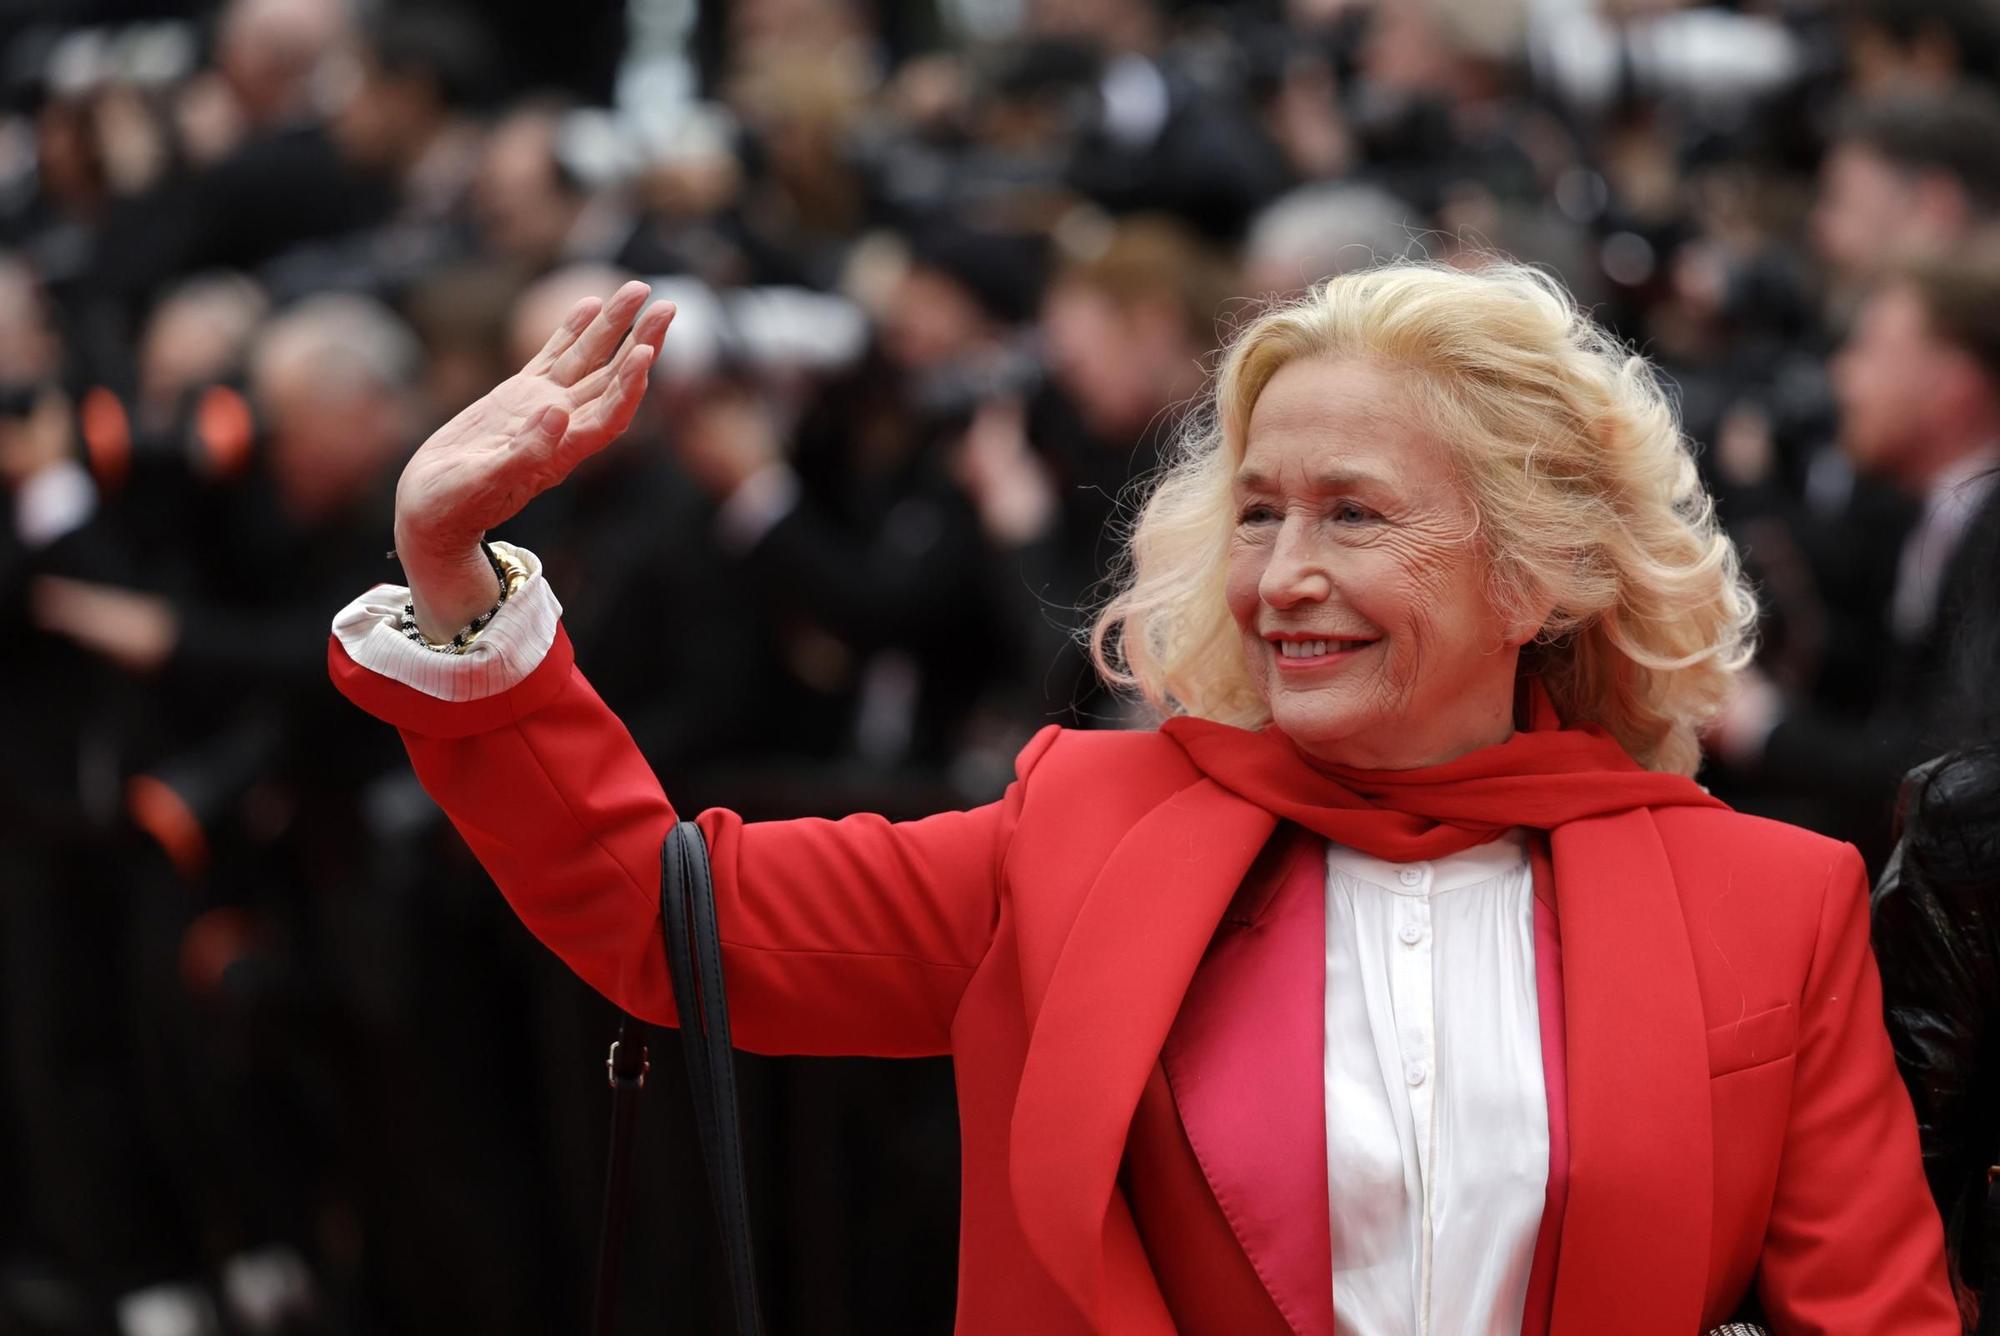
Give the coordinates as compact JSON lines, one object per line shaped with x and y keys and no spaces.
{"x":1295,"y":573}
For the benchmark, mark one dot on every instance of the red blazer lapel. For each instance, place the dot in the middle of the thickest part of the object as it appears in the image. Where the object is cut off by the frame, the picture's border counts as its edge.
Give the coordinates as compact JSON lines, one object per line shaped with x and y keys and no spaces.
{"x":1111,"y":996}
{"x":1245,"y":1060}
{"x":1206,"y":1279}
{"x":1555,"y":1082}
{"x":1633,"y":1257}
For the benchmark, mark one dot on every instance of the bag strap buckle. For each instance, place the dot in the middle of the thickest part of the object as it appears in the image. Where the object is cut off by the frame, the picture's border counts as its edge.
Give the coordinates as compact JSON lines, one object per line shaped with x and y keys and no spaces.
{"x":634,"y":1075}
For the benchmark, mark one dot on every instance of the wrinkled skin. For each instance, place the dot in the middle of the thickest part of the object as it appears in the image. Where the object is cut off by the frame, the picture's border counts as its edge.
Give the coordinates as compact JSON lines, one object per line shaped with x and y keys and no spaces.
{"x":1352,"y":526}
{"x":571,"y":400}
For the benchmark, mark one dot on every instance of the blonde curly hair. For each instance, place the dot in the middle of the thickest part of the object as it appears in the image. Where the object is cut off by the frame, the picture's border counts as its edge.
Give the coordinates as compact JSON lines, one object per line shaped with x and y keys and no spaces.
{"x":1585,"y":490}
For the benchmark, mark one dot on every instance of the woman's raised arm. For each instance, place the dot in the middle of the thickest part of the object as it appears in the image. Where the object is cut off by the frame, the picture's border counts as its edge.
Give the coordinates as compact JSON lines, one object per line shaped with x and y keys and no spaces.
{"x":839,"y":937}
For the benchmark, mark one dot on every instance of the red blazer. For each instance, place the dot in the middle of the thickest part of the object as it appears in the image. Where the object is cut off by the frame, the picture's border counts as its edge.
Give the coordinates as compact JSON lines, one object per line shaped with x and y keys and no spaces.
{"x":1733,"y":1111}
{"x":1226,"y":1165}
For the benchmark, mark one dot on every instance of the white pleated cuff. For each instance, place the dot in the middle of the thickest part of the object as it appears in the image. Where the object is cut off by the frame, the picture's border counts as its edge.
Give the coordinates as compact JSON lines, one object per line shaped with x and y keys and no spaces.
{"x":512,"y":646}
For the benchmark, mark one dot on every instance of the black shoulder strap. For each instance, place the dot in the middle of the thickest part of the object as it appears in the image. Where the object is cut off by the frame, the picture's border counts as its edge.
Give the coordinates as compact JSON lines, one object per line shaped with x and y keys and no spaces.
{"x":627,"y":1066}
{"x":694,"y":958}
{"x":694,"y":953}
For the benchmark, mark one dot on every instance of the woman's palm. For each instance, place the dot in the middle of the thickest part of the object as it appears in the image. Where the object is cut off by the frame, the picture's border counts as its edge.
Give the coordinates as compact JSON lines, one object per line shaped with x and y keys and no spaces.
{"x":572,"y":399}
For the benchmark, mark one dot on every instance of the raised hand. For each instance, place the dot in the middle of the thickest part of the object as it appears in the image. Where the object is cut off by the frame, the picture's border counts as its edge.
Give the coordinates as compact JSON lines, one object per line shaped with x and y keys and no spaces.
{"x":571,"y":400}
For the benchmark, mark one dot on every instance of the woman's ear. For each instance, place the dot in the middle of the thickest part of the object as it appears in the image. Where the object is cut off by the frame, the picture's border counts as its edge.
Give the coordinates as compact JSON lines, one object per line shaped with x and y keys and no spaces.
{"x":1527,"y":627}
{"x":1524,"y":617}
{"x":1523,"y":611}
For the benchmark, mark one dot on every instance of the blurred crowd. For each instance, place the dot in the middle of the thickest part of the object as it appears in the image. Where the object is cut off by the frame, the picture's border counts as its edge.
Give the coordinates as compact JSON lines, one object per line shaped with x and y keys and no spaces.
{"x":274,"y":1057}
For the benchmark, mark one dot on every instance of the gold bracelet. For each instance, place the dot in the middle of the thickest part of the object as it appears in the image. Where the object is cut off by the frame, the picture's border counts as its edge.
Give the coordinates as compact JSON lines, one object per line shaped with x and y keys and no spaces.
{"x":459,"y":642}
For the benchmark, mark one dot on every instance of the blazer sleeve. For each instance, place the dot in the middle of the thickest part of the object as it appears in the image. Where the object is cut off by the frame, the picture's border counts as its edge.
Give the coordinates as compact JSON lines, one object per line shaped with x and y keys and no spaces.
{"x":1854,"y":1243}
{"x":839,"y":937}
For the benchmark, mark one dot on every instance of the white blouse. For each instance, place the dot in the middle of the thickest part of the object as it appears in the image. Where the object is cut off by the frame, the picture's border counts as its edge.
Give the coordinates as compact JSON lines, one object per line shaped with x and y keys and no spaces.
{"x":1437,"y":1118}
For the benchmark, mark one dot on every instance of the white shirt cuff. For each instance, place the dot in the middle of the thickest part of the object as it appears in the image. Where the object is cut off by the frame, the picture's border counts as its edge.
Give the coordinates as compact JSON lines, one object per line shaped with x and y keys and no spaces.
{"x":512,"y":646}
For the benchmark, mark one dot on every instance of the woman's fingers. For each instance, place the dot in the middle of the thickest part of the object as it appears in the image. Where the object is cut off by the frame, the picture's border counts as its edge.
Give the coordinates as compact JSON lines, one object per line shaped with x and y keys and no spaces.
{"x":624,"y":397}
{"x":650,"y":329}
{"x":600,"y":339}
{"x":610,"y":411}
{"x":653,"y":322}
{"x":580,"y":316}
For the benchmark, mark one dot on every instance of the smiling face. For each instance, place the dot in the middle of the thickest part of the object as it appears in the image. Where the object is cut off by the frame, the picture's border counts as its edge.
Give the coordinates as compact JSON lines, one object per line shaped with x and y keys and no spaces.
{"x":1355,"y":578}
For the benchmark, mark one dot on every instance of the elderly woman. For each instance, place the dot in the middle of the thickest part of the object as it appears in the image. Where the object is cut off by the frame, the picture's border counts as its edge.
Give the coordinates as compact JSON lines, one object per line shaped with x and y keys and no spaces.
{"x":1401,"y":981}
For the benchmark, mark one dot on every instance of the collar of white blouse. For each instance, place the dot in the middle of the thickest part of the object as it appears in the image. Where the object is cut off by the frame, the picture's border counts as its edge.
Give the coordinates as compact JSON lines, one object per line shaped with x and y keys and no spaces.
{"x":1469,"y":867}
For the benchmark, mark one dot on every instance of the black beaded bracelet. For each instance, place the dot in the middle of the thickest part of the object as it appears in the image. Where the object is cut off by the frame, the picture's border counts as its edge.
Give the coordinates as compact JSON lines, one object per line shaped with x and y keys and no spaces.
{"x":457,"y":644}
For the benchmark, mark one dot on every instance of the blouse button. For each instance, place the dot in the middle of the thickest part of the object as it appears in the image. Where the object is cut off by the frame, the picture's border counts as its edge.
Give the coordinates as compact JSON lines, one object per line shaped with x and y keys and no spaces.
{"x":1410,"y":876}
{"x":1415,"y":1073}
{"x":1411,"y":934}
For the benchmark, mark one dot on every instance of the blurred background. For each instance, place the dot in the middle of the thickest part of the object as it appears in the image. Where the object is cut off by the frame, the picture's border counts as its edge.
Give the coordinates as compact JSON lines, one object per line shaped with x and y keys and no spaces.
{"x":274,"y":1056}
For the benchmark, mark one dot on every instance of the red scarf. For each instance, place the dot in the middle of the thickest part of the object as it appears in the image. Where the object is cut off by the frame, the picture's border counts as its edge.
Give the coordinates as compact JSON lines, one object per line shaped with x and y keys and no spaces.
{"x":1542,"y":777}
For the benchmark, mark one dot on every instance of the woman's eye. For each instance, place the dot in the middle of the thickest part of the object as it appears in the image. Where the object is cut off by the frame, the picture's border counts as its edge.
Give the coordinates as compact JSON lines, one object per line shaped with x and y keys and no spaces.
{"x":1256,"y":513}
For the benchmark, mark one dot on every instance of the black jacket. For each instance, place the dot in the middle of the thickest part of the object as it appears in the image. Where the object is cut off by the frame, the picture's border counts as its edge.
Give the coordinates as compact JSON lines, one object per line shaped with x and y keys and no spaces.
{"x":1937,"y":940}
{"x":1930,"y":689}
